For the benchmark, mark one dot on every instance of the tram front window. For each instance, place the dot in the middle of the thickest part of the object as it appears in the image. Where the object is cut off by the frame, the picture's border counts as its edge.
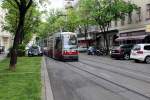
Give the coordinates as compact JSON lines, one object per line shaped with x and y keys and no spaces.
{"x":70,"y":42}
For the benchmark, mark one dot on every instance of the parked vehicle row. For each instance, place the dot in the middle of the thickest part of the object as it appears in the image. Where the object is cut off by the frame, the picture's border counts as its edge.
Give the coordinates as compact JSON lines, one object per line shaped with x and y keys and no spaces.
{"x":138,"y":52}
{"x":122,"y":51}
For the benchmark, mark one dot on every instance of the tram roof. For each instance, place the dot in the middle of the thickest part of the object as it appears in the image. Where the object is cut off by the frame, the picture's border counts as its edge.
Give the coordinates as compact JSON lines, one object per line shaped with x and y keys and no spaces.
{"x":63,"y":33}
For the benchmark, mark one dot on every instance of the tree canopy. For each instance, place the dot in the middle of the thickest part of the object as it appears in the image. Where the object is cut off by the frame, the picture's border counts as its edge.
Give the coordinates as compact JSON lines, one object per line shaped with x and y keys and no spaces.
{"x":12,"y":18}
{"x":103,"y":12}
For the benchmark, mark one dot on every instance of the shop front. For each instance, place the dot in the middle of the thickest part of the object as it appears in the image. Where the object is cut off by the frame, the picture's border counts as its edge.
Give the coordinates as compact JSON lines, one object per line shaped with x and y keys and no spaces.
{"x":134,"y":37}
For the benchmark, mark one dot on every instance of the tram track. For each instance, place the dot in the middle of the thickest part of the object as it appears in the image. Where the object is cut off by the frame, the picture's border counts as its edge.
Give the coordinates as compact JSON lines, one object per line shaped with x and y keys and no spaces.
{"x":116,"y":72}
{"x":72,"y":65}
{"x":110,"y":81}
{"x":116,"y":66}
{"x":91,"y":80}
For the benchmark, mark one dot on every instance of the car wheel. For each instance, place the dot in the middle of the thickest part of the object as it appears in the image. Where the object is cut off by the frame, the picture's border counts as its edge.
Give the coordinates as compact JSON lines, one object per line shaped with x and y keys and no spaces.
{"x":126,"y":56}
{"x":147,"y":59}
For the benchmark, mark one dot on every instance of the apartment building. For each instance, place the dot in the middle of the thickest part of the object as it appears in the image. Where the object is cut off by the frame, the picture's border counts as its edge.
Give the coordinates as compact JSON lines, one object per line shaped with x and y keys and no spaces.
{"x":135,"y":28}
{"x":5,"y":37}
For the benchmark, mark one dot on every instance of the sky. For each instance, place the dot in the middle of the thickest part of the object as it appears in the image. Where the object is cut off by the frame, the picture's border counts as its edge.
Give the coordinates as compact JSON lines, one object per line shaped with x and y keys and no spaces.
{"x":57,"y":4}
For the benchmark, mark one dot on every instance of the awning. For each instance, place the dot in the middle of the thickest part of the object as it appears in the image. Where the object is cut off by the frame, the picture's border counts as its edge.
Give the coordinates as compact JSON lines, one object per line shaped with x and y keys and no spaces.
{"x":140,"y":37}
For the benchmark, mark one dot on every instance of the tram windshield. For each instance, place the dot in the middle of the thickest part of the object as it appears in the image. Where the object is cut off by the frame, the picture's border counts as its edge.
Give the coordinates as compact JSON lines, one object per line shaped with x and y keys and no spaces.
{"x":70,"y":41}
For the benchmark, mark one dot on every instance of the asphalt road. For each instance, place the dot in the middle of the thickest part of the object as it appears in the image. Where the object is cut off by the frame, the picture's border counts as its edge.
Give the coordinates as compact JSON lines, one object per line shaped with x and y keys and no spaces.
{"x":99,"y":78}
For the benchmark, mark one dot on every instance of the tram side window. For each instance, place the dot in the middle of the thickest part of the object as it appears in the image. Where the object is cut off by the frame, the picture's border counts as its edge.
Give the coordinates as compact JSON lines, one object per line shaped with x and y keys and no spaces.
{"x":58,"y":43}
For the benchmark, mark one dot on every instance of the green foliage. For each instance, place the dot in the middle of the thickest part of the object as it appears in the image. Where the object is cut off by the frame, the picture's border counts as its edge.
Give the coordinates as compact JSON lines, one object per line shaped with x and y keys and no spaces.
{"x":20,"y":50}
{"x":84,"y":10}
{"x":50,"y":25}
{"x":72,"y":20}
{"x":59,"y":21}
{"x":12,"y":18}
{"x":103,"y":12}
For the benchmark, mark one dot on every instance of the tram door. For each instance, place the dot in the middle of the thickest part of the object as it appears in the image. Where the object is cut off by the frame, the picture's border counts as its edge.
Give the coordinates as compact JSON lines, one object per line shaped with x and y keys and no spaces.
{"x":58,"y":48}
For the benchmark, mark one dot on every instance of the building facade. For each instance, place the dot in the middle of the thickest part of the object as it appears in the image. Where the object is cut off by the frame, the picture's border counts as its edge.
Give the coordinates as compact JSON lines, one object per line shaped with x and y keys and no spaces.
{"x":135,"y":28}
{"x":5,"y":37}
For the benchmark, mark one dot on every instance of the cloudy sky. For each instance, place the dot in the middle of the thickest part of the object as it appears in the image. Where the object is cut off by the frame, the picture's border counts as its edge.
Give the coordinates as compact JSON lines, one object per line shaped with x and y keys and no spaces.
{"x":57,"y":3}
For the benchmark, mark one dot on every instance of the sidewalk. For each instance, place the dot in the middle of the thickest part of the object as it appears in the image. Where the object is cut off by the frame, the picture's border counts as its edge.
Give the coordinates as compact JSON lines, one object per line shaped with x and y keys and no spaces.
{"x":46,"y":85}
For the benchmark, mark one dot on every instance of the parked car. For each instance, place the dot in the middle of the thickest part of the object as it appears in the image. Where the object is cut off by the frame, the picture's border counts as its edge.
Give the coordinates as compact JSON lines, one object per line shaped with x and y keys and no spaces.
{"x":1,"y":49}
{"x":91,"y":50}
{"x":82,"y":49}
{"x":122,"y":51}
{"x":35,"y":51}
{"x":141,"y":52}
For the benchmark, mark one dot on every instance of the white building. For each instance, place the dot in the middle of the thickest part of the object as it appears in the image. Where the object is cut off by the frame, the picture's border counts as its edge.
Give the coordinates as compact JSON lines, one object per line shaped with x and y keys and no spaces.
{"x":5,"y":37}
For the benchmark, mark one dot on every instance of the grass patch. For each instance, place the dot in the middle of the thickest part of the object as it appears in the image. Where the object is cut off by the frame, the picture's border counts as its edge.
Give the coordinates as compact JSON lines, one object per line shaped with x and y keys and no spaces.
{"x":25,"y":83}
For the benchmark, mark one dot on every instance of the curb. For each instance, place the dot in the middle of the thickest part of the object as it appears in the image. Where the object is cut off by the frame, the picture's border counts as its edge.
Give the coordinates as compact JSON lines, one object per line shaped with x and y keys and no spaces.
{"x":46,"y":85}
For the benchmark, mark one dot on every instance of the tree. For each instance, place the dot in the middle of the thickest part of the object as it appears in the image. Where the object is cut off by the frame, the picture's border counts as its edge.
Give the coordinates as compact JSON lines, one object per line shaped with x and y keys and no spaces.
{"x":58,"y":20}
{"x":51,"y":24}
{"x":31,"y":23}
{"x":22,"y":8}
{"x":72,"y":20}
{"x":106,"y":11}
{"x":85,"y":18}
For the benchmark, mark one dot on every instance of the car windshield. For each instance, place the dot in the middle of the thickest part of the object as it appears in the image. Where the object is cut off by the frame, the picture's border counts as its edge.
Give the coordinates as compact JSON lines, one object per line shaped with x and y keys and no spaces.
{"x":136,"y":47}
{"x":70,"y":40}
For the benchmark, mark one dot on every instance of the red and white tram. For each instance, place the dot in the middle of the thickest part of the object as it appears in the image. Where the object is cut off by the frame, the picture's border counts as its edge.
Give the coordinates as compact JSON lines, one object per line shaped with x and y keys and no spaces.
{"x":63,"y":46}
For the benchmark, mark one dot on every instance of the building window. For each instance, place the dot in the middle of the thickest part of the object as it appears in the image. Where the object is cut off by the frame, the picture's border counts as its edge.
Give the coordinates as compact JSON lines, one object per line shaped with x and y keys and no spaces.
{"x":129,"y":17}
{"x":148,"y":11}
{"x":122,"y":19}
{"x":138,"y":12}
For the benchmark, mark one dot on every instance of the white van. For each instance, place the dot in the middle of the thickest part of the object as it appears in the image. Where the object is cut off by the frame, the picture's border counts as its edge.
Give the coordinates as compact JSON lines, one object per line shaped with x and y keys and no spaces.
{"x":141,"y":52}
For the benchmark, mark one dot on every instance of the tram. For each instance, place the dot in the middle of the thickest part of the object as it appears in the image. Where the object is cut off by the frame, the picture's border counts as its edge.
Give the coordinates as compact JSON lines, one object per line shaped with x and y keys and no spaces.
{"x":63,"y":46}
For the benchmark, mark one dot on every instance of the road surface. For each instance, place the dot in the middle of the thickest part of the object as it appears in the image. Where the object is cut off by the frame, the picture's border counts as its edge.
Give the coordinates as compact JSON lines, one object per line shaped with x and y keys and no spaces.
{"x":99,"y":78}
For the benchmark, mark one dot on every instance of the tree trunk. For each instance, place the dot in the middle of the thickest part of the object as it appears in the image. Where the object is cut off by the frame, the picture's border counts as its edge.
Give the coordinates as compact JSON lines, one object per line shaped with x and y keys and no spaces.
{"x":85,"y":31}
{"x":106,"y":41}
{"x":13,"y":52}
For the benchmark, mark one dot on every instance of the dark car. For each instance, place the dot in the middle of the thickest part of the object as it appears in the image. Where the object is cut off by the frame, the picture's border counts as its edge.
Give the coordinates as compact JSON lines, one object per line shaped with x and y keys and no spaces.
{"x":35,"y":51}
{"x":91,"y":50}
{"x":2,"y":49}
{"x":122,"y":51}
